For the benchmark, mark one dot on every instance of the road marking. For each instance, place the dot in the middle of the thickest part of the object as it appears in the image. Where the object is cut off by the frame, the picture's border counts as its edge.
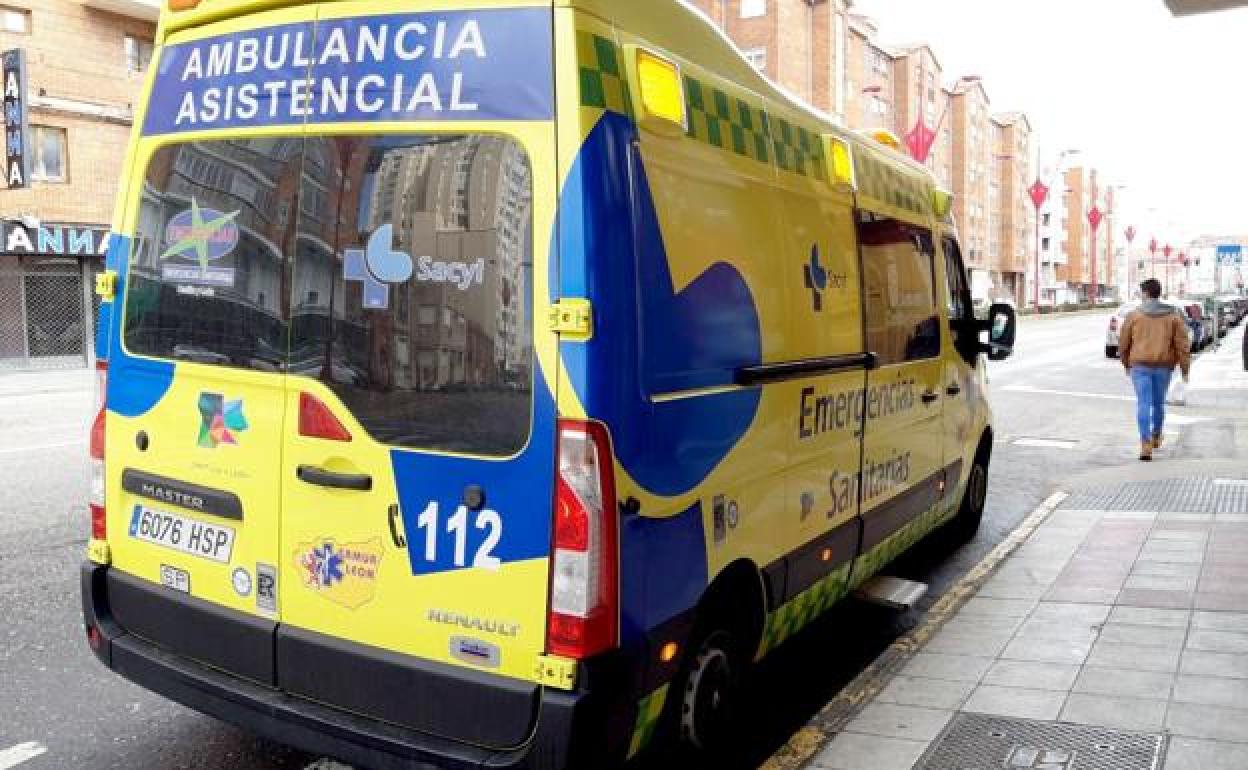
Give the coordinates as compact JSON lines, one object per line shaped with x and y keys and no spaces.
{"x":40,"y":448}
{"x":16,"y":755}
{"x":1046,"y":443}
{"x":325,"y":763}
{"x":1072,"y":393}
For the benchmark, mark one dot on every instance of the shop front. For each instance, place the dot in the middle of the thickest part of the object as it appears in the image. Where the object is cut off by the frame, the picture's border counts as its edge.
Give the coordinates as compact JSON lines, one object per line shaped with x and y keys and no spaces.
{"x":47,"y":297}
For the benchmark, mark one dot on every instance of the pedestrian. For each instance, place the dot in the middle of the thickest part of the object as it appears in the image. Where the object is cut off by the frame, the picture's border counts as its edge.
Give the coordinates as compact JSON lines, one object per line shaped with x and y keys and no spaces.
{"x":1153,"y":341}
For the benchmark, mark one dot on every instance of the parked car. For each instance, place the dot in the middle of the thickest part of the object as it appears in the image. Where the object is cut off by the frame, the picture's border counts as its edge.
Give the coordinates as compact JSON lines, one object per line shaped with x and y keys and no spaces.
{"x":1115,"y":326}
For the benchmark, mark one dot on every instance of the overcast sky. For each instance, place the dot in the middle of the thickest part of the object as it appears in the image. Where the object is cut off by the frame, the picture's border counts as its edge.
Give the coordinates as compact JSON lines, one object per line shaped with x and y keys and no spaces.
{"x":1157,"y":103}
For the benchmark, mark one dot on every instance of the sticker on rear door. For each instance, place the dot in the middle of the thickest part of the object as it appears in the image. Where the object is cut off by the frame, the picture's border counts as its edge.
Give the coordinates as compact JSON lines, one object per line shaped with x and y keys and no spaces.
{"x":344,"y":573}
{"x":179,"y":533}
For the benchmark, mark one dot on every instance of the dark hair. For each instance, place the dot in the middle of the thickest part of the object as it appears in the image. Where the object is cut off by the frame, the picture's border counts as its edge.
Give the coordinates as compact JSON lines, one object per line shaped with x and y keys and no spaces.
{"x":1151,"y":288}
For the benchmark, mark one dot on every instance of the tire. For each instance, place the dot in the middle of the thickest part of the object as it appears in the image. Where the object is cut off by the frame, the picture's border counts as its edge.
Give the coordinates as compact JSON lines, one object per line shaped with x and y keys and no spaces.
{"x":707,"y":696}
{"x":965,"y":523}
{"x":1111,"y":351}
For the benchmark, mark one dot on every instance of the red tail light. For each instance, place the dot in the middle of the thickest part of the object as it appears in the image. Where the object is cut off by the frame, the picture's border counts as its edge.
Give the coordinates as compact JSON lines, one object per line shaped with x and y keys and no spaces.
{"x":99,"y":527}
{"x":584,"y":584}
{"x":316,"y":420}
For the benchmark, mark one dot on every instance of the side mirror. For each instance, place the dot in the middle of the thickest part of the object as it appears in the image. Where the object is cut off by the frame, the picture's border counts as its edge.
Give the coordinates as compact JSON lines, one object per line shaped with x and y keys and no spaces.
{"x":1002,"y":326}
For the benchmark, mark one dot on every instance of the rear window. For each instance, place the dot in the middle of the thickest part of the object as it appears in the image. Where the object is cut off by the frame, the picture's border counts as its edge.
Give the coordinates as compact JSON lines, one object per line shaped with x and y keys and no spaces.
{"x":397,"y":270}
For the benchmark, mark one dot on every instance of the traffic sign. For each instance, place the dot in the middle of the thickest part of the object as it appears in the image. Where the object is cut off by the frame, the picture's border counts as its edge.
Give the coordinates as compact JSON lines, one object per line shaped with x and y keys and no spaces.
{"x":1230,"y":254}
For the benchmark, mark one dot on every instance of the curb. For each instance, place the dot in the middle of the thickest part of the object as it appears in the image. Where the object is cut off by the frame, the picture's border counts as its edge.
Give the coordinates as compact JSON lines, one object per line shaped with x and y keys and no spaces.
{"x":832,"y":718}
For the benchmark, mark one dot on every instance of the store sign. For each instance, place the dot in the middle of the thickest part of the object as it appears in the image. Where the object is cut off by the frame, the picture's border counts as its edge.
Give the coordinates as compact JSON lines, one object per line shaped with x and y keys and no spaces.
{"x":54,"y":239}
{"x":16,"y":158}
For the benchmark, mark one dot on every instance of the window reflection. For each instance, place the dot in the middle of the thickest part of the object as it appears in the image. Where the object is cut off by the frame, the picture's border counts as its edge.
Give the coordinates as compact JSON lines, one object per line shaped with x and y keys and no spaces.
{"x":900,"y":288}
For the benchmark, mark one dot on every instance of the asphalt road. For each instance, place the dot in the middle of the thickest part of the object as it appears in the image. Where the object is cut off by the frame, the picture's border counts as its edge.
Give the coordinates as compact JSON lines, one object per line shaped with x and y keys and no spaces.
{"x":1058,"y":388}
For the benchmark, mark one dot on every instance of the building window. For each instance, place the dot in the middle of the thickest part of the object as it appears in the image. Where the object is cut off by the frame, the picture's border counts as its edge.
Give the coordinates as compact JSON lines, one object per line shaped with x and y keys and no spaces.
{"x":751,"y":9}
{"x":757,"y":57}
{"x":48,"y":163}
{"x":138,"y":53}
{"x":16,"y":20}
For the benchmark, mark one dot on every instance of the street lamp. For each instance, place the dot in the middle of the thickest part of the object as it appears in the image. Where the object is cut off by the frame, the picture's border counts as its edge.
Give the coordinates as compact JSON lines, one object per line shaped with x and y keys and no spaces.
{"x":920,"y":139}
{"x":1094,"y":221}
{"x":1152,"y":250}
{"x":1166,"y":251}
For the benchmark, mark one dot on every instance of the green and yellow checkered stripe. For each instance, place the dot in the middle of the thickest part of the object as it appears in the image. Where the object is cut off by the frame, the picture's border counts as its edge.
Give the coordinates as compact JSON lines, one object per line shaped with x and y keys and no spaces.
{"x":884,"y":183}
{"x":601,"y":65}
{"x":885,"y":552}
{"x":798,"y":612}
{"x":649,"y":712}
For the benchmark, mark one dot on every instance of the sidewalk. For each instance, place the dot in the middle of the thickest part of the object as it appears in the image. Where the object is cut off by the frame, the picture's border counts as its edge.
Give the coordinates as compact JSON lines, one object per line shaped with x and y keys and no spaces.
{"x":1218,"y":378}
{"x":1111,"y":631}
{"x":25,"y":383}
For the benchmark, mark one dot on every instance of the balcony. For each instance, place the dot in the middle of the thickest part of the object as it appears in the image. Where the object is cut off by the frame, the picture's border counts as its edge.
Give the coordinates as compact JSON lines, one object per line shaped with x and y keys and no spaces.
{"x":147,"y":10}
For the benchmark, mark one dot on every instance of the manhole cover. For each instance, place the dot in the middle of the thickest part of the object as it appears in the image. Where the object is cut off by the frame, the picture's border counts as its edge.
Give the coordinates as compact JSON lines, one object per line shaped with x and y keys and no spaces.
{"x":981,"y":742}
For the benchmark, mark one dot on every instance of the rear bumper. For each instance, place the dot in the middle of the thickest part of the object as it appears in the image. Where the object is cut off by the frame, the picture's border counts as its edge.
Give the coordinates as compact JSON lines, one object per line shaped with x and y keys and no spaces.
{"x":574,"y":729}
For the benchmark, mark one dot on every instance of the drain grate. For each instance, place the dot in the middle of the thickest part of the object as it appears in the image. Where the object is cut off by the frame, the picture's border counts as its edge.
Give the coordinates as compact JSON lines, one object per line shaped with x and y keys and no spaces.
{"x":982,"y":742}
{"x":1193,"y":495}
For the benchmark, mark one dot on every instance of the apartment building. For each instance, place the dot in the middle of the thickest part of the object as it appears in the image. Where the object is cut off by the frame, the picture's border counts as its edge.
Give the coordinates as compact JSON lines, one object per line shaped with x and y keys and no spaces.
{"x":801,"y":44}
{"x":1014,"y":231}
{"x":78,"y":66}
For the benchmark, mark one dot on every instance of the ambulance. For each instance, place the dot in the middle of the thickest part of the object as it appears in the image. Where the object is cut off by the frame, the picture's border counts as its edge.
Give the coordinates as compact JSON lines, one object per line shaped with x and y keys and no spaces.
{"x":491,"y":383}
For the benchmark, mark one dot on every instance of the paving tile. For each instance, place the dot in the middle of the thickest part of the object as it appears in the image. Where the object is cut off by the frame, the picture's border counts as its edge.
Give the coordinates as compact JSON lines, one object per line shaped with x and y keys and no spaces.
{"x":1150,"y":616}
{"x":1221,"y":585}
{"x":959,"y":668}
{"x":1195,"y":754}
{"x":1161,"y":583}
{"x":1010,"y":608}
{"x":1170,"y":525}
{"x":1225,"y":572}
{"x":1227,"y":602}
{"x":1165,"y":568}
{"x":1125,"y":684}
{"x":1183,"y":516}
{"x":1069,"y":592}
{"x":1145,"y":636}
{"x":1140,"y":597}
{"x":1221,"y":621}
{"x":1218,"y":641}
{"x":1133,"y":657}
{"x":1069,"y":612}
{"x":1010,"y":589}
{"x":1069,"y":651}
{"x":1032,"y":675}
{"x":955,"y":643}
{"x":1211,"y":690}
{"x":928,"y":693}
{"x":1222,"y":664}
{"x":855,"y":751}
{"x":1076,"y":631}
{"x":1016,"y":702}
{"x":978,"y":624}
{"x":1200,"y":721}
{"x":1174,"y":557}
{"x":1176,"y":532}
{"x":896,"y":721}
{"x":1113,"y":711}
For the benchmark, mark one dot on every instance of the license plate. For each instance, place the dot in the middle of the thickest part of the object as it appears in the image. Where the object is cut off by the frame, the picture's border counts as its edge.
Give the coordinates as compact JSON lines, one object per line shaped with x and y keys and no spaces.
{"x":179,"y":533}
{"x":177,"y":579}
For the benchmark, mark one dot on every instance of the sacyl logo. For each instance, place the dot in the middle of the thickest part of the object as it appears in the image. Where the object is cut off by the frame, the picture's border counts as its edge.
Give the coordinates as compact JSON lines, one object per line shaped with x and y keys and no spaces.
{"x":816,"y":278}
{"x":378,"y":265}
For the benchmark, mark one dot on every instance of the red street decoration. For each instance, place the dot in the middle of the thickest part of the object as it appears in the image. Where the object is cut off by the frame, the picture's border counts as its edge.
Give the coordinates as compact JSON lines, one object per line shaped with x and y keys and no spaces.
{"x":1183,"y":259}
{"x":1039,"y":193}
{"x":1152,"y":246}
{"x":1167,"y":251}
{"x":920,"y":140}
{"x":1130,"y":233}
{"x":1094,"y":217}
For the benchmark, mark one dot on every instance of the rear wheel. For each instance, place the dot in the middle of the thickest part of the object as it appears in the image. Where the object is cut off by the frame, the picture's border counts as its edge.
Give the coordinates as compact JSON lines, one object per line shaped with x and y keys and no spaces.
{"x":709,"y":695}
{"x":963,"y":526}
{"x":1111,"y":351}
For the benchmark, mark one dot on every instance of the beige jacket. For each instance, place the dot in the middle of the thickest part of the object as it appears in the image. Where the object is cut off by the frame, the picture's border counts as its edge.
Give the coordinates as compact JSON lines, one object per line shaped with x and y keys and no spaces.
{"x":1155,"y":335}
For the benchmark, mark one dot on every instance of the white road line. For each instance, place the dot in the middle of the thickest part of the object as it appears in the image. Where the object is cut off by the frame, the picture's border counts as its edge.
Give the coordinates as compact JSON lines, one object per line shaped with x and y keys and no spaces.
{"x":16,"y":755}
{"x":40,"y":448}
{"x":325,"y":764}
{"x":1076,"y":394}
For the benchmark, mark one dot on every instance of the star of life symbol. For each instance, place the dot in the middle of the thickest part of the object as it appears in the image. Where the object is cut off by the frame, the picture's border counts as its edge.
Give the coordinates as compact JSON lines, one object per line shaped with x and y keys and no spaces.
{"x":376,"y":267}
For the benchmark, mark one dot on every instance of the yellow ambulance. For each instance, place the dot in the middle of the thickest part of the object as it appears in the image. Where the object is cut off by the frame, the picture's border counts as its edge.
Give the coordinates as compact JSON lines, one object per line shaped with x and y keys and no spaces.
{"x":489,"y":384}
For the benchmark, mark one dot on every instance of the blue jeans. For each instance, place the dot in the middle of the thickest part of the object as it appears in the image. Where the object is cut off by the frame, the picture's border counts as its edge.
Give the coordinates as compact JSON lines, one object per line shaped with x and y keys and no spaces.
{"x":1151,"y":384}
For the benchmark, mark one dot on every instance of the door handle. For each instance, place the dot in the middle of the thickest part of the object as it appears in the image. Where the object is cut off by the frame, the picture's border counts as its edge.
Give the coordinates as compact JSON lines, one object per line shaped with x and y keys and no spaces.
{"x":399,"y":540}
{"x":953,"y":389}
{"x":929,"y":396}
{"x":310,"y":474}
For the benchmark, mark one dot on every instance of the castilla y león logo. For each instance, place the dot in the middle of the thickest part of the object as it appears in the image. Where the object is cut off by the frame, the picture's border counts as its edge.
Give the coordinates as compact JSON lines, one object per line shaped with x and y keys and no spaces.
{"x":220,"y":421}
